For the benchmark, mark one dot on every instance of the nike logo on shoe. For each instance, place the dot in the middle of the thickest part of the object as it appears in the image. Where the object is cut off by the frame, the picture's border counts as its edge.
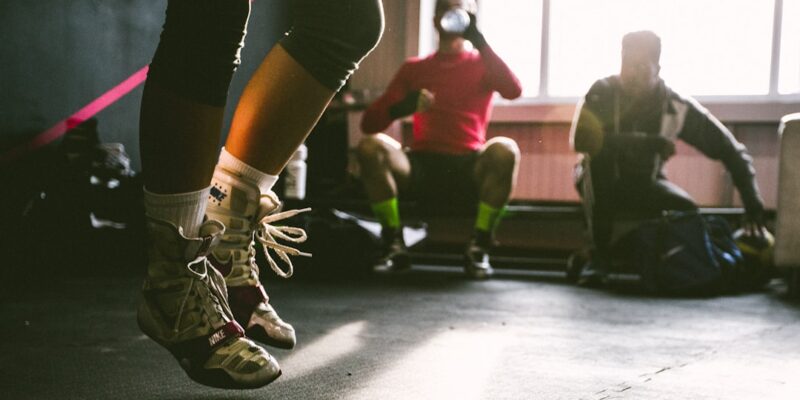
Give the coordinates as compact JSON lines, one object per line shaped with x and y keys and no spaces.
{"x":218,"y":194}
{"x":216,"y":338}
{"x":231,"y":329}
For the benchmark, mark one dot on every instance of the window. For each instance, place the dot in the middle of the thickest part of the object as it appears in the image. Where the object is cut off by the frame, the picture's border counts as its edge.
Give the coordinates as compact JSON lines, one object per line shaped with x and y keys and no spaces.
{"x":790,"y":49}
{"x":709,"y":47}
{"x":514,"y":29}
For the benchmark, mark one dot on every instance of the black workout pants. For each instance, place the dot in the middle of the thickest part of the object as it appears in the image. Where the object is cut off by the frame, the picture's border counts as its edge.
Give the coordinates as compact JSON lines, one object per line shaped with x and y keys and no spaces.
{"x":201,"y":43}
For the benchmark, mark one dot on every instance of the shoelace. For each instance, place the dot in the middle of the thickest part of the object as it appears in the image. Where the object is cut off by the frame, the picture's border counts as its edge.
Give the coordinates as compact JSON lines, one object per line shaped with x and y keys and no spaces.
{"x":267,"y":235}
{"x":216,"y":293}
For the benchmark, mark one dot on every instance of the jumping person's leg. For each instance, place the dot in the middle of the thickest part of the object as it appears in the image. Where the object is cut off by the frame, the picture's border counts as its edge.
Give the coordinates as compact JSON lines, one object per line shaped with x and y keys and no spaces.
{"x":298,"y":78}
{"x":184,"y":307}
{"x":280,"y":105}
{"x":183,"y":103}
{"x":496,"y":175}
{"x":385,"y":169}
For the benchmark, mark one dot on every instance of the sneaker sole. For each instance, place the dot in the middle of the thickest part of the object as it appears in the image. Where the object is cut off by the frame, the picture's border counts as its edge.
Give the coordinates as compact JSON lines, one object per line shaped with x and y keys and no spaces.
{"x":400,"y":264}
{"x":219,"y":379}
{"x":215,"y":378}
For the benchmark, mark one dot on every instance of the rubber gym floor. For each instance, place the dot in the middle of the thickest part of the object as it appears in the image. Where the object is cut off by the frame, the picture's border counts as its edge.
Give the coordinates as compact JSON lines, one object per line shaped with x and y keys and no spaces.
{"x":430,"y":334}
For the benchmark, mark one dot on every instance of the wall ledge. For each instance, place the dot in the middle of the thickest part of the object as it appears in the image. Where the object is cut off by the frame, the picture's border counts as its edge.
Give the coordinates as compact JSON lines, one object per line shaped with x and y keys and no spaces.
{"x":559,"y":112}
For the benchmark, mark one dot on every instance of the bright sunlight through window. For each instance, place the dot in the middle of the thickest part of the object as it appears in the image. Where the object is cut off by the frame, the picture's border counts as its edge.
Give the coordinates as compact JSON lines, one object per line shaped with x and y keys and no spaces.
{"x":709,"y":47}
{"x":514,"y":29}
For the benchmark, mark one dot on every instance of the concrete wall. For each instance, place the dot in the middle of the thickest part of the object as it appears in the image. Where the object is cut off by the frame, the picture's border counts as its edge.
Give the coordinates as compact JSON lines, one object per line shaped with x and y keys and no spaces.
{"x":59,"y":55}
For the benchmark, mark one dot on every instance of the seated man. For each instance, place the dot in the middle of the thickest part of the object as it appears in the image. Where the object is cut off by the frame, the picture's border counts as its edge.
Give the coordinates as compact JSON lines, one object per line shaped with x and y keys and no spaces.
{"x":626,"y":128}
{"x":449,"y":93}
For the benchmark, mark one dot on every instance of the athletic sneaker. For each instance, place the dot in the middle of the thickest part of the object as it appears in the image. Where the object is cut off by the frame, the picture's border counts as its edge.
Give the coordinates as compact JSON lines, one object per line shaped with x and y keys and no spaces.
{"x":476,"y":259}
{"x":248,"y":216}
{"x":184,"y":308}
{"x":594,"y":273}
{"x":394,"y":255}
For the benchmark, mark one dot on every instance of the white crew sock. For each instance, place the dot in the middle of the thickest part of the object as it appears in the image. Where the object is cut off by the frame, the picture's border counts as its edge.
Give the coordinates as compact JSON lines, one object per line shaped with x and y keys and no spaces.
{"x":264,"y":181}
{"x":184,"y":210}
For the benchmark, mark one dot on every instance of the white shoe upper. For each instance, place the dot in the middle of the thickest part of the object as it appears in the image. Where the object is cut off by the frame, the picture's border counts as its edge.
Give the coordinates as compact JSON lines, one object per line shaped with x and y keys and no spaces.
{"x":477,"y":262}
{"x":250,"y":217}
{"x":185,"y":308}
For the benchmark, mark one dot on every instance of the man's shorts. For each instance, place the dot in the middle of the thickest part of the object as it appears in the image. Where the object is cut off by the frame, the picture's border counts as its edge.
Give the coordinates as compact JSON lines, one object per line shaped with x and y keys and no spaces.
{"x":443,"y":184}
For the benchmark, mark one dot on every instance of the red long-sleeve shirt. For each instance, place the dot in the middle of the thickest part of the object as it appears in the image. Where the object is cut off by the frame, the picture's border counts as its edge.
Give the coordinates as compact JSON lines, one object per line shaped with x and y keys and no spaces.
{"x":462,"y":84}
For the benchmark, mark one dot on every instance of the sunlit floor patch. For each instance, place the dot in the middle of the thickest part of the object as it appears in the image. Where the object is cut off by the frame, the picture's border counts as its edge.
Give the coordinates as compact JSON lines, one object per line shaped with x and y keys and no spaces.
{"x":326,"y":350}
{"x":453,"y":365}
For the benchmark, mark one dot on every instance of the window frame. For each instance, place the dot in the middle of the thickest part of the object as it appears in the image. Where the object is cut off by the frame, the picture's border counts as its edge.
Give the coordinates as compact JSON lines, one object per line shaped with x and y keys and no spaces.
{"x":546,"y":108}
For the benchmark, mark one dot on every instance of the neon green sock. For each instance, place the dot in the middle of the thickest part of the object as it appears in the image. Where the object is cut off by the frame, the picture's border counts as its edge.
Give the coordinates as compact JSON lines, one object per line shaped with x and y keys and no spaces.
{"x":387,"y":212}
{"x":488,"y":217}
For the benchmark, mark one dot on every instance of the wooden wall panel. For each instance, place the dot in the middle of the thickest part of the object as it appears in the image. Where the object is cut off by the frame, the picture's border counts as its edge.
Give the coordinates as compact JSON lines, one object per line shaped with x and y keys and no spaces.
{"x":547,"y":164}
{"x":547,"y":161}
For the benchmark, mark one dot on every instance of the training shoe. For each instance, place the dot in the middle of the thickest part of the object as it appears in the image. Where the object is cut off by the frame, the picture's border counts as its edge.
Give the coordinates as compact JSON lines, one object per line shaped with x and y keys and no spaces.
{"x":593,"y":274}
{"x":394,"y":255}
{"x":248,"y":215}
{"x":476,"y":260}
{"x":184,"y":308}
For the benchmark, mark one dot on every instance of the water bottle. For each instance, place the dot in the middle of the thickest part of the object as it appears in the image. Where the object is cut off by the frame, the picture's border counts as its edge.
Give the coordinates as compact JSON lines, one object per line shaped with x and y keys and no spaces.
{"x":455,"y":21}
{"x":295,"y":183}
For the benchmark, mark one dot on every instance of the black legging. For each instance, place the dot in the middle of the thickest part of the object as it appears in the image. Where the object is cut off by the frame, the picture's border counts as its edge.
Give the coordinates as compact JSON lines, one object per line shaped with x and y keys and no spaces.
{"x":202,"y":39}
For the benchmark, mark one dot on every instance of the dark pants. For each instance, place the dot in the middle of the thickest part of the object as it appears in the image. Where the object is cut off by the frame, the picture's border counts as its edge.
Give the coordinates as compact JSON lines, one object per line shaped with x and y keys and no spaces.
{"x":614,"y":199}
{"x":201,"y":42}
{"x":443,"y":184}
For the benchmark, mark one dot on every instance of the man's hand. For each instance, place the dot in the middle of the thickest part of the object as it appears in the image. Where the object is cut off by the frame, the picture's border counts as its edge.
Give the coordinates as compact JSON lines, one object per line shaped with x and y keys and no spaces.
{"x":753,"y":223}
{"x":664,"y":147}
{"x":660,"y":145}
{"x":473,"y":34}
{"x":642,"y":142}
{"x":416,"y":101}
{"x":425,"y":100}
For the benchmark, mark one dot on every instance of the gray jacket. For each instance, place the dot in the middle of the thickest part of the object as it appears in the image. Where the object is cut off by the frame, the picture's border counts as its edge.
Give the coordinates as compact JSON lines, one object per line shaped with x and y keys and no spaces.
{"x":623,"y":127}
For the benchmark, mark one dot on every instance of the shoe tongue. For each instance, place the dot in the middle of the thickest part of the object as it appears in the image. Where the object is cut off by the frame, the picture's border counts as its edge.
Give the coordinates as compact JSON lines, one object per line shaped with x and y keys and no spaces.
{"x":234,"y":194}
